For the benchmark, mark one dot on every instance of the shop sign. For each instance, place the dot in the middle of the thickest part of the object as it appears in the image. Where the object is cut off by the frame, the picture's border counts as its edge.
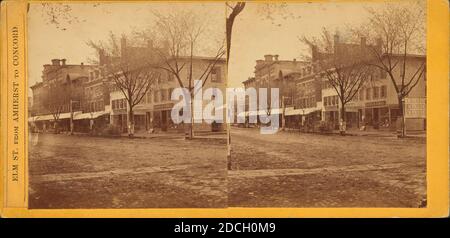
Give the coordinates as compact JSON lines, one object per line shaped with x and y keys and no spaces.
{"x":375,"y":104}
{"x":165,"y":106}
{"x":331,"y":108}
{"x":415,"y":107}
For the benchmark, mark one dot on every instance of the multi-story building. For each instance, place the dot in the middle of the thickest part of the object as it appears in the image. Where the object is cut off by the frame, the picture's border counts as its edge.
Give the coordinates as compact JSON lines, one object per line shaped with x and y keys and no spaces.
{"x":60,"y":93}
{"x":378,"y":105}
{"x":270,"y":71}
{"x":306,"y":93}
{"x":274,"y":73}
{"x":154,"y":111}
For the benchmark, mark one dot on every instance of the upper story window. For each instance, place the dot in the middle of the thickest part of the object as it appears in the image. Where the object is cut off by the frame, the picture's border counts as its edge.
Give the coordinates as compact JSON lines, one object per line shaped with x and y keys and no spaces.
{"x":170,"y":76}
{"x":368,"y":94}
{"x":155,"y":96}
{"x":215,"y":74}
{"x":383,"y":91}
{"x":170,"y":93}
{"x":376,"y":92}
{"x":149,"y":97}
{"x":383,"y":74}
{"x":91,"y":76}
{"x":163,"y":94}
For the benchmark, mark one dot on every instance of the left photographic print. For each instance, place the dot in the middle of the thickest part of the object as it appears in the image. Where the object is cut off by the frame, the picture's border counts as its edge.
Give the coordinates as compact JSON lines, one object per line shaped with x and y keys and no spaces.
{"x":104,"y":120}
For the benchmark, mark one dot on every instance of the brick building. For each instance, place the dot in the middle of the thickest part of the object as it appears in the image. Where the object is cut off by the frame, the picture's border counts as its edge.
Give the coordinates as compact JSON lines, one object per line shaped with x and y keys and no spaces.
{"x":274,"y":73}
{"x":58,"y":94}
{"x":306,"y":96}
{"x":154,"y":111}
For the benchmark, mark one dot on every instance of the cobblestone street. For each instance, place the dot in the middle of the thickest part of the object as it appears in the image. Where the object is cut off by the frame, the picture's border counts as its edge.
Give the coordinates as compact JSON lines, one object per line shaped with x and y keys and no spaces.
{"x":290,"y":169}
{"x":93,"y":172}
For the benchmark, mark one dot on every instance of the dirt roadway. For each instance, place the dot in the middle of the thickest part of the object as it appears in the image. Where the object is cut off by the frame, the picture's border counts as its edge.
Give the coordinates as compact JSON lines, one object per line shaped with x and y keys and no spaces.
{"x":91,"y":172}
{"x":281,"y":170}
{"x":310,"y":170}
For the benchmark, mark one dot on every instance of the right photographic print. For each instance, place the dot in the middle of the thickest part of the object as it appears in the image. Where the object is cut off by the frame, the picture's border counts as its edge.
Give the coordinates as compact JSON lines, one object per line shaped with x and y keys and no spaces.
{"x":335,"y":104}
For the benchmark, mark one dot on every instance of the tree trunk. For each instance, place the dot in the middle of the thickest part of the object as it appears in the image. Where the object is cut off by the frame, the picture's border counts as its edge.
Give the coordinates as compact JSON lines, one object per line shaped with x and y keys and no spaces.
{"x":342,"y":123}
{"x":130,"y":123}
{"x":56,"y":127}
{"x":400,"y":117}
{"x":190,"y":134}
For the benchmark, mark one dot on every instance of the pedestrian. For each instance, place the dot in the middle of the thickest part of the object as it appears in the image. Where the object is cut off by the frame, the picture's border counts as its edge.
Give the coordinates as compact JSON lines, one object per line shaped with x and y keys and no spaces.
{"x":342,"y":127}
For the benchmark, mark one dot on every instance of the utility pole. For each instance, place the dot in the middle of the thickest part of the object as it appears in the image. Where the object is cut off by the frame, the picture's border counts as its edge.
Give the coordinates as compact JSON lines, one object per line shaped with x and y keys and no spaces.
{"x":403,"y":118}
{"x":283,"y":103}
{"x":71,"y":117}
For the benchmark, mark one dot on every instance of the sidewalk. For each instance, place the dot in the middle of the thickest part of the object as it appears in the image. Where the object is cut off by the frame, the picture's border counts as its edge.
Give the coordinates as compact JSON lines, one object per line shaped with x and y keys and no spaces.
{"x":200,"y":135}
{"x":384,"y":133}
{"x":357,"y":132}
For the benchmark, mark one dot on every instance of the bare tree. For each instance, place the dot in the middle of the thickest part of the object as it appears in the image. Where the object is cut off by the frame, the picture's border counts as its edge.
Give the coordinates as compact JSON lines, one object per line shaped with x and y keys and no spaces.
{"x":344,"y":66}
{"x":400,"y":30}
{"x":134,"y":82}
{"x":235,"y":10}
{"x":132,"y":74}
{"x":182,"y":34}
{"x":60,"y":15}
{"x":55,"y":100}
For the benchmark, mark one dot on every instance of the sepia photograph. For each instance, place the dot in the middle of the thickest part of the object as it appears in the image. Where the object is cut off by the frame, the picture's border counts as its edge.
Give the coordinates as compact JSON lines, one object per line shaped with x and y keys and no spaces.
{"x":350,"y":118}
{"x":227,"y":104}
{"x":102,"y":80}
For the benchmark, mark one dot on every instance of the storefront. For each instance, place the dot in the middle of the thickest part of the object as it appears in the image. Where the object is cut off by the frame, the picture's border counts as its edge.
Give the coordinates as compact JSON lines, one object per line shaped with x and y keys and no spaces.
{"x":91,"y":121}
{"x":302,"y":118}
{"x":160,"y":117}
{"x":378,"y":114}
{"x":332,"y":114}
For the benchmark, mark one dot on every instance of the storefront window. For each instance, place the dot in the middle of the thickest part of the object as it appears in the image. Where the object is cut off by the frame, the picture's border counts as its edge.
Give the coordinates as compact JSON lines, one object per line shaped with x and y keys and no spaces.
{"x":155,"y":96}
{"x":215,"y":74}
{"x":368,"y":94}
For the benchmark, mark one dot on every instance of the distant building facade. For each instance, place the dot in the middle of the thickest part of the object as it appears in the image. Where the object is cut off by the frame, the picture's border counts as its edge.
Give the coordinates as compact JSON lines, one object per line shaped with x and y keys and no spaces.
{"x":59,"y":94}
{"x":306,"y":96}
{"x":154,"y":111}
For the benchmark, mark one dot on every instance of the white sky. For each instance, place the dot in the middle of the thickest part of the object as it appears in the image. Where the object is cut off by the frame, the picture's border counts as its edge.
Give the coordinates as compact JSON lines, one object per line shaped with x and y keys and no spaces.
{"x":254,"y":35}
{"x":94,"y":21}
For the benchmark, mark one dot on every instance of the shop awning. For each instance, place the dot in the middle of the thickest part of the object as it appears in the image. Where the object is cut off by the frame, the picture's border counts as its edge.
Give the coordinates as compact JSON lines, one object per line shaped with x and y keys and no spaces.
{"x":89,"y":115}
{"x":304,"y":111}
{"x":50,"y":117}
{"x":261,"y":112}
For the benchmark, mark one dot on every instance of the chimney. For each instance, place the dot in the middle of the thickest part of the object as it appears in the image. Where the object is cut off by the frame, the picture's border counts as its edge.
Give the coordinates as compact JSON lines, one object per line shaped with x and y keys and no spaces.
{"x":101,"y":57}
{"x":268,"y":57}
{"x":150,"y":44}
{"x":336,"y":42}
{"x":63,"y":61}
{"x":314,"y":53}
{"x":259,"y":62}
{"x":276,"y":57}
{"x":55,"y":62}
{"x":123,"y":46}
{"x":363,"y":41}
